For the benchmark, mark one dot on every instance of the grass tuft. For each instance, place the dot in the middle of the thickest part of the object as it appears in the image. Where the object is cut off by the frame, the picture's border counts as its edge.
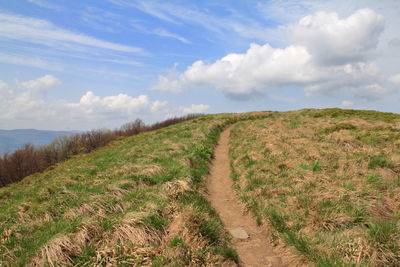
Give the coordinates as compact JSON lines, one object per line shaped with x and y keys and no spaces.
{"x":338,"y":127}
{"x":381,"y":161}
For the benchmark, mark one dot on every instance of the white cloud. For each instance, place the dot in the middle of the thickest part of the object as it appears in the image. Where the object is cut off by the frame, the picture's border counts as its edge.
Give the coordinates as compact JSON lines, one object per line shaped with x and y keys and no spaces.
{"x":193,"y":109}
{"x":27,"y":100}
{"x":260,"y":68}
{"x":164,"y":33}
{"x":43,"y":32}
{"x":177,"y":14}
{"x":158,"y":105}
{"x":283,"y":12}
{"x":335,"y":41}
{"x":28,"y":61}
{"x":333,"y":55}
{"x":395,"y":79}
{"x":346,"y":103}
{"x":161,"y":32}
{"x":26,"y":104}
{"x":41,"y":83}
{"x":6,"y":92}
{"x":93,"y":106}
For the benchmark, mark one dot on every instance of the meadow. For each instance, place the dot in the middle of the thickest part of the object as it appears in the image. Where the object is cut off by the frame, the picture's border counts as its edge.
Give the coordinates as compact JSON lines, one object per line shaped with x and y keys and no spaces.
{"x":326,"y":182}
{"x":138,"y":201}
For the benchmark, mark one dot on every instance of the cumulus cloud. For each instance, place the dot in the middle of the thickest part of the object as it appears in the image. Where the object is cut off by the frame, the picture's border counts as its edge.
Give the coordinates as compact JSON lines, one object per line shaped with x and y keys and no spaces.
{"x":121,"y":105}
{"x":335,"y":41}
{"x":27,"y":100}
{"x":328,"y":54}
{"x":41,"y":83}
{"x":193,"y":109}
{"x":26,"y":104}
{"x":258,"y":69}
{"x":5,"y":92}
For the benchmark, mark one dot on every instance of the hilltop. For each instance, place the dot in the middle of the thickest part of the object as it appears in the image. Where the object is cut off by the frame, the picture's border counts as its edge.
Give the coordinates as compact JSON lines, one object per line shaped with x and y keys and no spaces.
{"x":324,"y":184}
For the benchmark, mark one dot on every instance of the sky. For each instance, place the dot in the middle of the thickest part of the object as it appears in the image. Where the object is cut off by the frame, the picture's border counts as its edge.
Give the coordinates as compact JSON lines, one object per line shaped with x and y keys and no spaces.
{"x":79,"y":65}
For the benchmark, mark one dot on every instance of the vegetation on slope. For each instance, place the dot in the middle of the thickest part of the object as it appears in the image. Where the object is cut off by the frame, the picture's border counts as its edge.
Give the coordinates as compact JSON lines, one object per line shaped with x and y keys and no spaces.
{"x":139,"y":200}
{"x":30,"y":159}
{"x":326,"y":181}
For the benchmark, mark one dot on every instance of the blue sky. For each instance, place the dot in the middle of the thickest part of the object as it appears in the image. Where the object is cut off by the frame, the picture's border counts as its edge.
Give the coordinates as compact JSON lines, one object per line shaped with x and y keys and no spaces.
{"x":93,"y":64}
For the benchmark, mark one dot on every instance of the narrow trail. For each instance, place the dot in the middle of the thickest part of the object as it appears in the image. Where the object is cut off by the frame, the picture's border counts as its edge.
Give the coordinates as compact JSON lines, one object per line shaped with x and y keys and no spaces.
{"x":249,"y":240}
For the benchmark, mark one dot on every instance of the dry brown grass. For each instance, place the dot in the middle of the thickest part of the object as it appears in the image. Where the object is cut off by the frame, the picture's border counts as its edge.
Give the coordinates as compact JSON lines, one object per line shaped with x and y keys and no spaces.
{"x":174,"y":189}
{"x":317,"y":175}
{"x":57,"y":252}
{"x":118,"y":205}
{"x":188,"y":252}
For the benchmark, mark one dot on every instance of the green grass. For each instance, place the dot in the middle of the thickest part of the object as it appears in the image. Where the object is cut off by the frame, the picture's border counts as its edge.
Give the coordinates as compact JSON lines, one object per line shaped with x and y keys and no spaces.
{"x":229,"y":253}
{"x":177,"y":241}
{"x":327,"y":187}
{"x":338,"y":127}
{"x":100,"y":207}
{"x":349,"y":113}
{"x":118,"y":203}
{"x":124,"y":178}
{"x":381,"y":161}
{"x":155,"y":222}
{"x":382,"y":232}
{"x":316,"y":166}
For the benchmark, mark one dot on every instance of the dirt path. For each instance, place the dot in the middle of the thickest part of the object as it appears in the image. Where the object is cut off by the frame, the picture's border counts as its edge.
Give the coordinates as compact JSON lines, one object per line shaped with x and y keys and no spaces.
{"x":250,"y":241}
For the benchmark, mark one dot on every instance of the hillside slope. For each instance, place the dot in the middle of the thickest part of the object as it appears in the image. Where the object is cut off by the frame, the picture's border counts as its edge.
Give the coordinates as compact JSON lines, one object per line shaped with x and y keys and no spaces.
{"x":324,"y":183}
{"x":327,"y":182}
{"x":137,"y":201}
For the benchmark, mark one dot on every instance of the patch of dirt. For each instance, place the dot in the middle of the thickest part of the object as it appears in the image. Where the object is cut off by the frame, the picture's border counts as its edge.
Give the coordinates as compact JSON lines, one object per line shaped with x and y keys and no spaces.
{"x":256,"y":249}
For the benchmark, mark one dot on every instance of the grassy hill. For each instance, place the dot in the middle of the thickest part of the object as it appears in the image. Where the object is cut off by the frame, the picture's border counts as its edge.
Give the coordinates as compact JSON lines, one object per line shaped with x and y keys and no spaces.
{"x":326,"y":182}
{"x":140,"y":200}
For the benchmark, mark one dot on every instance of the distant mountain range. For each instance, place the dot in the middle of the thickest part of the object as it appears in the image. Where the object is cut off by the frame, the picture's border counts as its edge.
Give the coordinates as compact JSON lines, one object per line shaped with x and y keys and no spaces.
{"x":11,"y":140}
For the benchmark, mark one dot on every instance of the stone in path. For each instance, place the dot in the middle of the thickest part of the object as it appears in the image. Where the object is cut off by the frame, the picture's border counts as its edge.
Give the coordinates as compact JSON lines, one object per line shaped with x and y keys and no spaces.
{"x":239,"y":233}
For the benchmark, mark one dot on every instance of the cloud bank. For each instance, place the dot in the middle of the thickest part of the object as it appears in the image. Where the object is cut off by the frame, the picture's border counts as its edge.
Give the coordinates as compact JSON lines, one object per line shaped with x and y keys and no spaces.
{"x":327,"y":54}
{"x":27,"y":102}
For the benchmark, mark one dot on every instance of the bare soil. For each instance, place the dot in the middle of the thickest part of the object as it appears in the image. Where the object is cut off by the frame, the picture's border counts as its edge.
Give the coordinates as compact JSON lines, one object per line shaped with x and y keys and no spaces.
{"x":256,"y":249}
